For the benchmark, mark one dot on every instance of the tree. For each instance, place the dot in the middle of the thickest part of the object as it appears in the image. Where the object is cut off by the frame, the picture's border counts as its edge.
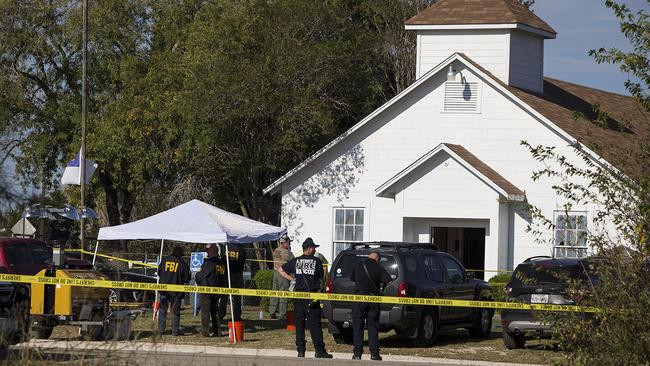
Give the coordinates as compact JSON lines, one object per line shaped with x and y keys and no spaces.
{"x":40,"y":55}
{"x":636,"y":28}
{"x":619,"y":332}
{"x":395,"y":46}
{"x":262,"y":85}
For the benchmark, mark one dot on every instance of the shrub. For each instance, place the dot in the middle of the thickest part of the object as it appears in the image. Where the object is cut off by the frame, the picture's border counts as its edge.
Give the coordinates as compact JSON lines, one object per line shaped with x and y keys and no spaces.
{"x":264,"y":281}
{"x":497,"y":284}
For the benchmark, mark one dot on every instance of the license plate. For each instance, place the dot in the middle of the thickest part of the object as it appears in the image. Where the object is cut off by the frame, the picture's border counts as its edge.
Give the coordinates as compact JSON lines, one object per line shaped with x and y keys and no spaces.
{"x":539,"y":299}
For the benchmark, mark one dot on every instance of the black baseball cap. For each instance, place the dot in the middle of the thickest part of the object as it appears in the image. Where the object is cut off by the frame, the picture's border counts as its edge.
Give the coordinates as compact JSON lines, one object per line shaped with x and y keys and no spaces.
{"x":284,"y":238}
{"x":309,"y":242}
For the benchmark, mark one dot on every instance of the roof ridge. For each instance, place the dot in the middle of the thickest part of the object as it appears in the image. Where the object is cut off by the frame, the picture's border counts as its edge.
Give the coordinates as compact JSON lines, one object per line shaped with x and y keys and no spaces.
{"x":588,"y":87}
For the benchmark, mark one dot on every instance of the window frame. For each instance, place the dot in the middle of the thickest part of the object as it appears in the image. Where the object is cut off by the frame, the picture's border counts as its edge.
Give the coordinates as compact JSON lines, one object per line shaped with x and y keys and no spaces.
{"x":435,"y":261}
{"x":347,"y":243}
{"x":570,"y":250}
{"x":446,"y":270}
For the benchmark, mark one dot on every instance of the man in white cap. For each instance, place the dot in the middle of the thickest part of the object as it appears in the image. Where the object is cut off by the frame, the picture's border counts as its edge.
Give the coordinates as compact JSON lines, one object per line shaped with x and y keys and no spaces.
{"x":281,"y":255}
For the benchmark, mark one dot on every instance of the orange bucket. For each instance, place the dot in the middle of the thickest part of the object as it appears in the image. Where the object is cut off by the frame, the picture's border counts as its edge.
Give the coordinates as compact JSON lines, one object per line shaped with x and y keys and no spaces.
{"x":239,"y":331}
{"x":291,"y":321}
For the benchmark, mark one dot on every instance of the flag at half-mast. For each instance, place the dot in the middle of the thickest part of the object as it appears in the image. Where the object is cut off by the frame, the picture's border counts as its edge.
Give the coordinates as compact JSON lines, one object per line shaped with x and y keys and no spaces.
{"x":72,"y":172}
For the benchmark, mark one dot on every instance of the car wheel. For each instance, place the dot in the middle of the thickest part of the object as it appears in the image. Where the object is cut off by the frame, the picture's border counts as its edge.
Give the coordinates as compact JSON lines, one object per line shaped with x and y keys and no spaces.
{"x":482,"y":324}
{"x":513,"y":341}
{"x":345,"y":337}
{"x":113,"y":296}
{"x":428,"y":329}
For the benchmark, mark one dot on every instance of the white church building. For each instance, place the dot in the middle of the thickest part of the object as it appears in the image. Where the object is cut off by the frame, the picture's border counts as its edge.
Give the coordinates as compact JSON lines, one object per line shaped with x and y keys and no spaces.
{"x":443,"y":162}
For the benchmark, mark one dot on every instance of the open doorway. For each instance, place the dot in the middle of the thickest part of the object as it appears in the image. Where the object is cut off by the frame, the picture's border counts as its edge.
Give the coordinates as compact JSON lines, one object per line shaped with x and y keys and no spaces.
{"x":467,"y":245}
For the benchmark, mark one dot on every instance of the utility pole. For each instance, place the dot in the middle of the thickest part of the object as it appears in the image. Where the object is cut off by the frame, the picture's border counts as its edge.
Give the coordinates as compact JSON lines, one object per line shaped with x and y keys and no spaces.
{"x":84,"y":114}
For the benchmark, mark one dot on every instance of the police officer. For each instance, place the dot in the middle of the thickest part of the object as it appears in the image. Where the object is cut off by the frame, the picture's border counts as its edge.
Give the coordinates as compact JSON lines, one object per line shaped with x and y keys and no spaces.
{"x":211,"y":273}
{"x":172,"y":270}
{"x":307,"y":272}
{"x":281,"y":255}
{"x":237,"y":259}
{"x":369,"y":277}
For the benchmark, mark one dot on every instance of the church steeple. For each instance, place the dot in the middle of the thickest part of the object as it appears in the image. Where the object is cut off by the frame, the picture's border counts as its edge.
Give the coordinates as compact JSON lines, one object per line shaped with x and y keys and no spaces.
{"x":503,"y":36}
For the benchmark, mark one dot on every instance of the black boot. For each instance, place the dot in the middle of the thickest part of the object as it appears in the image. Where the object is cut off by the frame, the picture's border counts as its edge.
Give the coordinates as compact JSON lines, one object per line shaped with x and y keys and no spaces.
{"x":375,"y":357}
{"x":323,"y":354}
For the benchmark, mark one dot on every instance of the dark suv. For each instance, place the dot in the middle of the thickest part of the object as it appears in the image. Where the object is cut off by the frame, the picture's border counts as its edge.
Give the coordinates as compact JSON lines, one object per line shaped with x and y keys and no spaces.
{"x":417,"y":270}
{"x":542,"y":280}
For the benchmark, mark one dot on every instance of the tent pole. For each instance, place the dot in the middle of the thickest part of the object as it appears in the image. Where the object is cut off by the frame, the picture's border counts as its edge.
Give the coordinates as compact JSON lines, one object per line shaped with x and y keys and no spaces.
{"x":95,"y":255}
{"x":162,"y":245}
{"x":232,"y":311}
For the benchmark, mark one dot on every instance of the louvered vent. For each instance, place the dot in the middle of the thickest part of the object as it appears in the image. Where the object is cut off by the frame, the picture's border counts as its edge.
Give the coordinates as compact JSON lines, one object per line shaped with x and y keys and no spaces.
{"x":461,"y":97}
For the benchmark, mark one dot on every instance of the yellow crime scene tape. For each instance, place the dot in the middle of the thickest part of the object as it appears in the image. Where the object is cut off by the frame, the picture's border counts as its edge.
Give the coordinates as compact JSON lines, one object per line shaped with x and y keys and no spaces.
{"x":291,"y":294}
{"x":139,"y":263}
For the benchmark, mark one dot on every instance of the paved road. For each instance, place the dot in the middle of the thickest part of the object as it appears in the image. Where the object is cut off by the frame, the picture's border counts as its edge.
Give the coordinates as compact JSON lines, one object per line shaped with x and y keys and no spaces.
{"x":168,"y":359}
{"x":167,"y":354}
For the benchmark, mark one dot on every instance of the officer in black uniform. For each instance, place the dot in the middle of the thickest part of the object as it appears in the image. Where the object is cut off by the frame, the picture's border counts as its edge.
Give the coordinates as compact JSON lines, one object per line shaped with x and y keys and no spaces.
{"x":237,"y":258}
{"x":211,"y":273}
{"x":369,"y":278}
{"x":172,"y":270}
{"x":307,"y":272}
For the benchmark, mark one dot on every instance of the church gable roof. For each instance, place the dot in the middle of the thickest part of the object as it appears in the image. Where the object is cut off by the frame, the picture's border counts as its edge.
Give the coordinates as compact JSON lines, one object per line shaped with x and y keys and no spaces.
{"x":465,"y":12}
{"x":466,"y":159}
{"x":562,"y":107}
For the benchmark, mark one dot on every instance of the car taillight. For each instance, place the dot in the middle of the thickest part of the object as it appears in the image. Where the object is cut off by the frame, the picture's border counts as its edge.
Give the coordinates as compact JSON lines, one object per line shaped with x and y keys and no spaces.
{"x":402,"y":289}
{"x":329,"y":287}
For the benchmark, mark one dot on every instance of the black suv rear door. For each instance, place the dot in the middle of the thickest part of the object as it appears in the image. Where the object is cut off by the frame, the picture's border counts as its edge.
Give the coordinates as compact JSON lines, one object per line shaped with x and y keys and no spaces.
{"x":438,"y":285}
{"x":461,"y":287}
{"x":342,"y":270}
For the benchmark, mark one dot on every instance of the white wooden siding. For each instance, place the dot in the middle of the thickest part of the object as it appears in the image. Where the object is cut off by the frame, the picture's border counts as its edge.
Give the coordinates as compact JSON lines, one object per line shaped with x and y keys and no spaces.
{"x":526,"y":60}
{"x":402,"y":134}
{"x":488,"y":47}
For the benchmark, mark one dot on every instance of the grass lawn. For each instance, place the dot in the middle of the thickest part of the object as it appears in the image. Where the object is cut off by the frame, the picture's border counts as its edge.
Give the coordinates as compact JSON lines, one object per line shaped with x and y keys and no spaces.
{"x":268,"y":334}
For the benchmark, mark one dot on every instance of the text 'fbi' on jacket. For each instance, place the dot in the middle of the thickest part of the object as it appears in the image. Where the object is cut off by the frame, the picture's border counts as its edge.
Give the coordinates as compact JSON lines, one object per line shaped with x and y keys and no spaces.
{"x":305,"y":267}
{"x":171,"y":266}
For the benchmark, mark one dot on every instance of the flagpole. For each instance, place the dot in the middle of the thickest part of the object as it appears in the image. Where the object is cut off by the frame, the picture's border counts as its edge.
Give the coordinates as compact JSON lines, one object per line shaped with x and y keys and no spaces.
{"x":84,"y":113}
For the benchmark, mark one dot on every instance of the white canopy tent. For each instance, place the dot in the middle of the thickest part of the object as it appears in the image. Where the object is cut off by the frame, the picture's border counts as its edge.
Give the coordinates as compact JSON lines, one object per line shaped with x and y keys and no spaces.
{"x":194,"y":222}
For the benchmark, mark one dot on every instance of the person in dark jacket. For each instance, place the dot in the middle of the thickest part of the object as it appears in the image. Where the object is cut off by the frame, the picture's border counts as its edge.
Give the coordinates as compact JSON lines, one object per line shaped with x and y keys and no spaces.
{"x":237,"y":259}
{"x":172,"y":270}
{"x":369,"y":277}
{"x":211,"y":273}
{"x":307,"y":273}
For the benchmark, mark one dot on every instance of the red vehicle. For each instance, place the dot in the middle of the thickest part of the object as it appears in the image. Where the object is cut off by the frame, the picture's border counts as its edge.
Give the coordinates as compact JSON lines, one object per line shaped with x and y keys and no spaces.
{"x":24,"y":256}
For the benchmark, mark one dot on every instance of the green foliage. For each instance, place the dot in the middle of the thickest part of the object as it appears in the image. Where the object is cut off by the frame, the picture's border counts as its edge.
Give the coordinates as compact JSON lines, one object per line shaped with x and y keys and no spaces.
{"x":635,"y":63}
{"x":620,"y":333}
{"x":264,"y":281}
{"x":497,"y":284}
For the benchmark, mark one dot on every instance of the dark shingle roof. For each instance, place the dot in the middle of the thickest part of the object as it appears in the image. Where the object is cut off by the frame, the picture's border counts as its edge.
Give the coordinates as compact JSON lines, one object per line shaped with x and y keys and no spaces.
{"x":486,"y":170}
{"x":455,"y":12}
{"x":616,"y":137}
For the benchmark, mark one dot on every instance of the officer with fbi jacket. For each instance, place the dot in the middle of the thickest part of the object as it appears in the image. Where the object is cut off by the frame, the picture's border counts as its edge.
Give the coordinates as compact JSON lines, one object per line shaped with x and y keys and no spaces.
{"x":212,"y":273}
{"x":237,"y":258}
{"x":172,"y":270}
{"x":307,"y":273}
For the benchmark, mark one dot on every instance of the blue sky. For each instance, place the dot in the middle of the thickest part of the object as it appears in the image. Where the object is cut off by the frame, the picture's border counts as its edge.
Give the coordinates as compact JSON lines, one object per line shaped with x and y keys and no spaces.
{"x":583,"y":25}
